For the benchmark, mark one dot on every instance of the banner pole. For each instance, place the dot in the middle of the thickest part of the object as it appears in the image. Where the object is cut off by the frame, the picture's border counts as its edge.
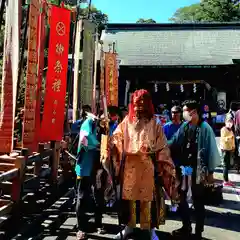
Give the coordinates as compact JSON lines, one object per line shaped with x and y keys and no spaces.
{"x":76,"y":69}
{"x":95,"y":74}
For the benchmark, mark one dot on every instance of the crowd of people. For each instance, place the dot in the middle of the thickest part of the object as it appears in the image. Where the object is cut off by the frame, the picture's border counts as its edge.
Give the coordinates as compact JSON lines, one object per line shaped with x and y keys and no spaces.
{"x":146,"y":163}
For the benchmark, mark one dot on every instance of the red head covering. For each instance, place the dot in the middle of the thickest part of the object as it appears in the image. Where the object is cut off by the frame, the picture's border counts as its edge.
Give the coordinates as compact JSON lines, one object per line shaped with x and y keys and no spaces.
{"x":136,"y":96}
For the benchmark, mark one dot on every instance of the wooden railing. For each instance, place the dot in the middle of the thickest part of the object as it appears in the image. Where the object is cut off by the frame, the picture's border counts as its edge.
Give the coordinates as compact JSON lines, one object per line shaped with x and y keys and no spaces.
{"x":19,"y":168}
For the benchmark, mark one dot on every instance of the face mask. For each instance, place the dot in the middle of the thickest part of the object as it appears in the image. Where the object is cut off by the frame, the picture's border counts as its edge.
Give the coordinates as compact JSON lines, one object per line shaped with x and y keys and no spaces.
{"x":187,"y":116}
{"x":229,"y":125}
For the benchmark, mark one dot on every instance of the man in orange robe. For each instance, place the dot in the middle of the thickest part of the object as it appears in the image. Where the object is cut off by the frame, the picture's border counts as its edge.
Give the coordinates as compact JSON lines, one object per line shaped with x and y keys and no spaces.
{"x":143,"y":165}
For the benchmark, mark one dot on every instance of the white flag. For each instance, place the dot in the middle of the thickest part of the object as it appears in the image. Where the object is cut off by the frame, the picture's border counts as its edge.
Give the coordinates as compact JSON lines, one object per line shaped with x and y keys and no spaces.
{"x":9,"y":74}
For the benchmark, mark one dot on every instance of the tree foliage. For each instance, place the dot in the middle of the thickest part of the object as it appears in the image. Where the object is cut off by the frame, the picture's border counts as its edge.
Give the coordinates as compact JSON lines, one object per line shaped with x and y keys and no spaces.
{"x":142,"y":20}
{"x":188,"y":14}
{"x":95,"y":15}
{"x":209,"y":11}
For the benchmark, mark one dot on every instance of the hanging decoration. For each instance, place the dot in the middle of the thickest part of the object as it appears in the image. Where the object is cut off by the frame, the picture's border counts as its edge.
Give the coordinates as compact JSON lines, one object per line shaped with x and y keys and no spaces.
{"x":155,"y":87}
{"x":181,"y":88}
{"x":54,"y":102}
{"x":167,"y":87}
{"x":31,"y":80}
{"x":111,"y":84}
{"x":194,"y":88}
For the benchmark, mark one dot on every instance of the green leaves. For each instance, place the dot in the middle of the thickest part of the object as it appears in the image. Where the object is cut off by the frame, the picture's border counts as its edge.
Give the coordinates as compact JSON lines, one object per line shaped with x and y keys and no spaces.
{"x":150,"y":20}
{"x":190,"y":13}
{"x":209,"y":11}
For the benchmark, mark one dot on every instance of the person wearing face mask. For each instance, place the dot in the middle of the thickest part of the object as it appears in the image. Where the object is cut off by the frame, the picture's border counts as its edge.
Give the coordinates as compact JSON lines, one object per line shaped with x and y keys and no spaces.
{"x":227,"y":145}
{"x":172,"y":127}
{"x":195,"y":147}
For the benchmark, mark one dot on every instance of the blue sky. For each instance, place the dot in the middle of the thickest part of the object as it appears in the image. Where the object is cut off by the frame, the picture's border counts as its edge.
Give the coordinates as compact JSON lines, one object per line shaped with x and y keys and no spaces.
{"x":128,"y":11}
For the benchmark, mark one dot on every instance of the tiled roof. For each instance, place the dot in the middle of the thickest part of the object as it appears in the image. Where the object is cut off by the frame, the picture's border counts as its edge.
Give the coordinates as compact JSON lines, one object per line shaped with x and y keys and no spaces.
{"x":174,"y":44}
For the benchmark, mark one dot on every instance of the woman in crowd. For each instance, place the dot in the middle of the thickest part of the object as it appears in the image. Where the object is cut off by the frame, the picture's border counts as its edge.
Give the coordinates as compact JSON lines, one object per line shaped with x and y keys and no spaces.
{"x":227,"y":145}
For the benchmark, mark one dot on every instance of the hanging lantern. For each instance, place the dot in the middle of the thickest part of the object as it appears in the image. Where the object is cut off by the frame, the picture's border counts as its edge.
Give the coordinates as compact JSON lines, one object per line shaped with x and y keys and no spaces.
{"x":194,"y":88}
{"x":167,"y":87}
{"x":181,"y":88}
{"x":156,"y":87}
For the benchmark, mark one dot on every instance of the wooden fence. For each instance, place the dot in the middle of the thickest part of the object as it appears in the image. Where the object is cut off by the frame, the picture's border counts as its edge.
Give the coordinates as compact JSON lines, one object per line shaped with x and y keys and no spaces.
{"x":19,"y":168}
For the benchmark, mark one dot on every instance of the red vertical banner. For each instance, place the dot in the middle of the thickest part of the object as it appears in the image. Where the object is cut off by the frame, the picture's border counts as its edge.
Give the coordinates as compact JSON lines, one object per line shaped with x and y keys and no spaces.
{"x":31,"y":81}
{"x":56,"y":84}
{"x":111,"y":79}
{"x":41,"y":45}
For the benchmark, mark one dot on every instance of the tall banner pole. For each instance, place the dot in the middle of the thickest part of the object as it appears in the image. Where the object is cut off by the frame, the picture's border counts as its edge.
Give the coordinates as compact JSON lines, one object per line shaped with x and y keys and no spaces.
{"x":102,"y":77}
{"x":95,"y":74}
{"x":76,"y":70}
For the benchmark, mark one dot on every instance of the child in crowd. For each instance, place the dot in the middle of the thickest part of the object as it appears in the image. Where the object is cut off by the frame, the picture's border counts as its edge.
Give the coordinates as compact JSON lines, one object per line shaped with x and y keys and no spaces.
{"x":227,"y":145}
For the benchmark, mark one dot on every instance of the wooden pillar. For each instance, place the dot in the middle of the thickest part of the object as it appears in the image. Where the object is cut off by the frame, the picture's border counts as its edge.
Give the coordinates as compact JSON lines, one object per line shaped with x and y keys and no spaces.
{"x":17,"y":183}
{"x":24,"y":152}
{"x":54,"y":160}
{"x":65,"y":162}
{"x":38,"y":165}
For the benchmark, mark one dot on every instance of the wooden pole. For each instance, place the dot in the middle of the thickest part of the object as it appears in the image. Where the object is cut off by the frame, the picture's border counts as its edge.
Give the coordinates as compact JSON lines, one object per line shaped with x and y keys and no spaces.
{"x":54,"y":160}
{"x":102,"y":78}
{"x":38,"y":165}
{"x":69,"y":90}
{"x":95,"y":74}
{"x":76,"y":69}
{"x":18,"y":181}
{"x":89,"y":8}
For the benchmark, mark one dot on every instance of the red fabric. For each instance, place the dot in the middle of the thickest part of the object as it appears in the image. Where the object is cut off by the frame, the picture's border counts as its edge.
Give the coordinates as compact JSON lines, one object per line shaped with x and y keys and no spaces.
{"x":137,"y":95}
{"x":40,"y":46}
{"x":54,"y":102}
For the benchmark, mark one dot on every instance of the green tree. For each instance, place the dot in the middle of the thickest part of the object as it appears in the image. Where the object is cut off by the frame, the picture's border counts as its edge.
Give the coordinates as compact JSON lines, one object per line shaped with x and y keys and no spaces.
{"x":209,"y":11}
{"x":142,"y":20}
{"x":192,"y":13}
{"x":220,"y":10}
{"x":96,"y":15}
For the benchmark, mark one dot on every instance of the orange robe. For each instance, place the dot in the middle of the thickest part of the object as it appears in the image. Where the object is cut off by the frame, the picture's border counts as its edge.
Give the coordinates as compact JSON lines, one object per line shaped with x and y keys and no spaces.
{"x":138,"y":141}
